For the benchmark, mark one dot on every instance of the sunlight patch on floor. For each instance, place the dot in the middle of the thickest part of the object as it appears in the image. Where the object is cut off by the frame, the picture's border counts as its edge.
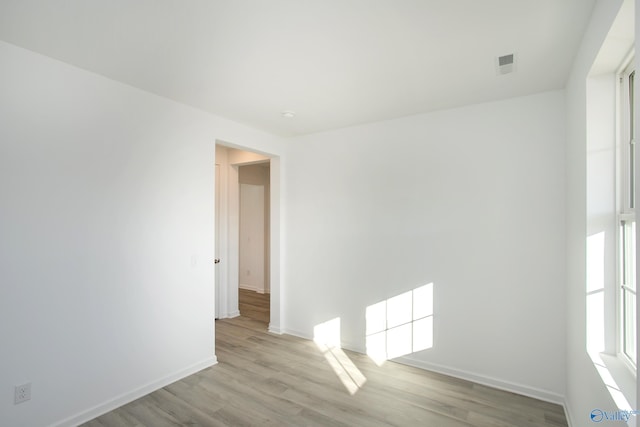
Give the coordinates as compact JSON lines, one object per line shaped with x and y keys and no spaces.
{"x":327,"y":338}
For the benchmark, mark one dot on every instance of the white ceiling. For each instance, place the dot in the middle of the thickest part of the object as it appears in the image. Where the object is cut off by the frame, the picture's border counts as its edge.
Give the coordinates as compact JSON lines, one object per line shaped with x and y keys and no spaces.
{"x":334,"y":62}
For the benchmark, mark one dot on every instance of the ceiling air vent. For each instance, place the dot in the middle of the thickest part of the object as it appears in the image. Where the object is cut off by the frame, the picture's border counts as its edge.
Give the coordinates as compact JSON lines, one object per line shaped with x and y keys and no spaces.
{"x":506,"y":64}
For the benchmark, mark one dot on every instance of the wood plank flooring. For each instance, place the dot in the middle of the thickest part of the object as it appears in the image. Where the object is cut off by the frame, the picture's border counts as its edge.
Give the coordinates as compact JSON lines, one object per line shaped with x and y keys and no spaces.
{"x":254,"y":305}
{"x":264,"y":379}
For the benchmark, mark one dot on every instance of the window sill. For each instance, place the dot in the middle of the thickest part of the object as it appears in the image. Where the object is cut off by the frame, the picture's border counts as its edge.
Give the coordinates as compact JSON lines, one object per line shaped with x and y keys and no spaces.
{"x":623,"y":379}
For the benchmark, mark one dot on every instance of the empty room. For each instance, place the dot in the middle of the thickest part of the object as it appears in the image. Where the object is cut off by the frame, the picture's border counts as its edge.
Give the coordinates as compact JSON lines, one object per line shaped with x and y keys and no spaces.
{"x":318,"y":213}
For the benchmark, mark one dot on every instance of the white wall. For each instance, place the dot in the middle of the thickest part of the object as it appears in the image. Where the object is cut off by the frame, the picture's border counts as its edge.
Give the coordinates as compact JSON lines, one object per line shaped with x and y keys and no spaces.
{"x":601,"y":212}
{"x":106,"y":248}
{"x":637,"y":185}
{"x":252,"y":237}
{"x":471,"y":200}
{"x":256,"y":175}
{"x":585,"y":216}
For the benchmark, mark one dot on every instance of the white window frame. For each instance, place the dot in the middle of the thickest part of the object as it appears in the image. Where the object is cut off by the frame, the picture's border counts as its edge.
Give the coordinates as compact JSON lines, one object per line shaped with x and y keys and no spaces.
{"x":626,"y":210}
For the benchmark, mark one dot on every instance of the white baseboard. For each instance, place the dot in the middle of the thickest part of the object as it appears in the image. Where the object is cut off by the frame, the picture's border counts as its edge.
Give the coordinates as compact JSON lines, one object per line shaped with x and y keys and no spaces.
{"x":230,"y":315}
{"x":275,"y":329}
{"x":130,"y":396}
{"x":524,"y":390}
{"x":252,"y":288}
{"x":521,"y":389}
{"x":297,"y":334}
{"x":567,"y":412}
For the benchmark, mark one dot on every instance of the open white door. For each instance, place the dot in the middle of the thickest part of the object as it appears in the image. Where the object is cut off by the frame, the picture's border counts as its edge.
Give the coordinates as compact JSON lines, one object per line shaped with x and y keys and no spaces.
{"x":217,"y":244}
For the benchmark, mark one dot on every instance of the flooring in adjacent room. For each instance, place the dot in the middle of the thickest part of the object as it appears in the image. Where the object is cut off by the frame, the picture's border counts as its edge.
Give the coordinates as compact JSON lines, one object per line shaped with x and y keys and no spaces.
{"x":254,"y":305}
{"x":263,"y":379}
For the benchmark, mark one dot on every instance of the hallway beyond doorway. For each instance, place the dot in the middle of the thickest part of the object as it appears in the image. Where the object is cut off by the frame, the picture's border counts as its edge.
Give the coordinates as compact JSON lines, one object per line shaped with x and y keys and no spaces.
{"x":254,"y":305}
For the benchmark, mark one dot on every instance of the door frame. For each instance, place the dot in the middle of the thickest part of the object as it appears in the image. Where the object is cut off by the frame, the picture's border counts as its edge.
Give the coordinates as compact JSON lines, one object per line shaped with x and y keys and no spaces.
{"x":227,"y":303}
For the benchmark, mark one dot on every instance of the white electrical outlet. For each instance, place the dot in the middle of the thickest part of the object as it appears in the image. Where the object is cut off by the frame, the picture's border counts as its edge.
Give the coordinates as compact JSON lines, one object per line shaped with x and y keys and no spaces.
{"x":23,"y":393}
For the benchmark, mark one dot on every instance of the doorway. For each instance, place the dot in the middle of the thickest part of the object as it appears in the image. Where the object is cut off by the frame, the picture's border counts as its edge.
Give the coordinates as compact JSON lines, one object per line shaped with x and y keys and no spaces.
{"x":247,"y":237}
{"x":254,"y":182}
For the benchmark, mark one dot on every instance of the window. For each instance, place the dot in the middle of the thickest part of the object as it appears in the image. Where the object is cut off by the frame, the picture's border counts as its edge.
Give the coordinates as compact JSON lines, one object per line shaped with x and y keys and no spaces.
{"x":627,"y":218}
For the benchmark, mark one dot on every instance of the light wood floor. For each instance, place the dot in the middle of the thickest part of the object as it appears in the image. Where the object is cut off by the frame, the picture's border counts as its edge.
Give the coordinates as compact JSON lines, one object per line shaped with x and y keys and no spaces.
{"x":264,"y":379}
{"x":254,"y":305}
